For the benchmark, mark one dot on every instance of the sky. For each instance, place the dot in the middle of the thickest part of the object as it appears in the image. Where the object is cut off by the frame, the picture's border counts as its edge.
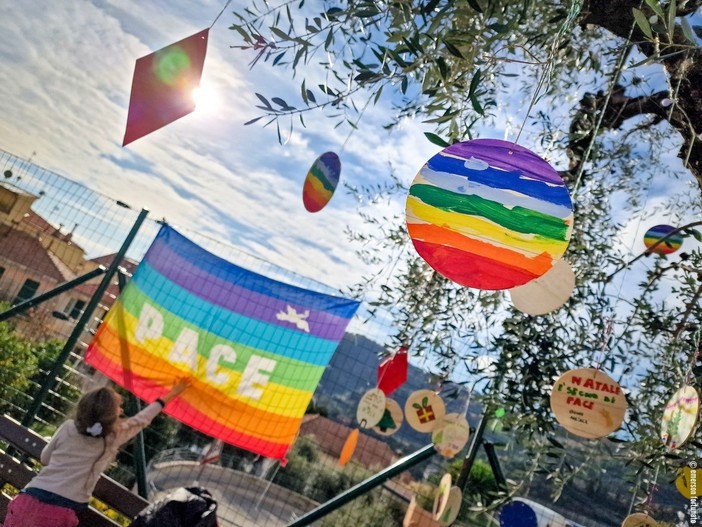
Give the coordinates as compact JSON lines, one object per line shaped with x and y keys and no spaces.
{"x":67,"y":68}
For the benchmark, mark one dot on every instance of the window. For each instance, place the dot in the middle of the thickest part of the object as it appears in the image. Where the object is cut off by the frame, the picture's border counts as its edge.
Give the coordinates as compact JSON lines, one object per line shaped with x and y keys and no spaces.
{"x":75,"y":308}
{"x":29,"y":289}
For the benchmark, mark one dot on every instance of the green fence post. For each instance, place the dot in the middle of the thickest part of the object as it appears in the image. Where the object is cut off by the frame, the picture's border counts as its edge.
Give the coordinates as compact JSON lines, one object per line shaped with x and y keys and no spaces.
{"x":51,"y":378}
{"x":29,"y":304}
{"x":365,"y":486}
{"x":139,"y":449}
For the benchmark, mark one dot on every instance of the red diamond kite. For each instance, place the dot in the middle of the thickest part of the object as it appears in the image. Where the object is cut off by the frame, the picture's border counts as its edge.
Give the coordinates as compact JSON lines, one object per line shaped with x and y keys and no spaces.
{"x":392,"y":372}
{"x":163,"y":84}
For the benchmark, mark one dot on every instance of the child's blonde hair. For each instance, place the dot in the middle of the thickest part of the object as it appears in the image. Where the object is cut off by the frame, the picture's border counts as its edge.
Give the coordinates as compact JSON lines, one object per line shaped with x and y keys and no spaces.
{"x":97,"y":407}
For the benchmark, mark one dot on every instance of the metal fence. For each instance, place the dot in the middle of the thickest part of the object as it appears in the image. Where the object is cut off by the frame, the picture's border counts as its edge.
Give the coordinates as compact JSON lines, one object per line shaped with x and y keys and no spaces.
{"x":52,"y":231}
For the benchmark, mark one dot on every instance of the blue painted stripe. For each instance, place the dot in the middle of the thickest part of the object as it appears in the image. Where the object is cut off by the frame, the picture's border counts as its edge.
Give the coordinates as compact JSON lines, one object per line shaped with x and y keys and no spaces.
{"x":503,"y":179}
{"x":229,"y":272}
{"x":230,"y":325}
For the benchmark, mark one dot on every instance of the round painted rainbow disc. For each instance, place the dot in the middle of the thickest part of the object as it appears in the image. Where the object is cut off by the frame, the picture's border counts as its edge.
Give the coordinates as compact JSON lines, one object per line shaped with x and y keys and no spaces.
{"x":655,"y":234}
{"x":321,"y":182}
{"x":489,"y":214}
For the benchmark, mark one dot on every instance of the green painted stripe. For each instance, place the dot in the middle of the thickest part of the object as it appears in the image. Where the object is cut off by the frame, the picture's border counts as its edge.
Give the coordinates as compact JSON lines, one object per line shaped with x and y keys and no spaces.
{"x":288,"y":372}
{"x":517,"y":219}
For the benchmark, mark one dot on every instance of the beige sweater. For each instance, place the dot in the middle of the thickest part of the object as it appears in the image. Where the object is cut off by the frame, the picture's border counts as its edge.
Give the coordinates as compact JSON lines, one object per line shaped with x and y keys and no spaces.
{"x":73,"y":462}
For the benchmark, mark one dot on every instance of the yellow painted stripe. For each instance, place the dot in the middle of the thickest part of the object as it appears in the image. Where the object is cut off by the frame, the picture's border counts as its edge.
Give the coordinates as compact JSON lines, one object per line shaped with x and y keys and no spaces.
{"x":485,"y":230}
{"x":276,"y":398}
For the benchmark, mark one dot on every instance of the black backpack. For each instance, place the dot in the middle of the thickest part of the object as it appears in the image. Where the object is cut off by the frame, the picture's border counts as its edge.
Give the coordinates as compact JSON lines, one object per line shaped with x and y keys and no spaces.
{"x":183,"y":507}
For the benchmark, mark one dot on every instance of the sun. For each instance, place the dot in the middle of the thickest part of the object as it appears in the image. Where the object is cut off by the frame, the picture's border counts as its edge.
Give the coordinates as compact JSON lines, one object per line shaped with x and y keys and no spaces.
{"x":206,"y":99}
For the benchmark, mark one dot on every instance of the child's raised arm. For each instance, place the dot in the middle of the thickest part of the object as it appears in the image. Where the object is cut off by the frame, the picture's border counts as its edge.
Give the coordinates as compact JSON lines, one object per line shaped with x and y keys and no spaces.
{"x":178,"y":388}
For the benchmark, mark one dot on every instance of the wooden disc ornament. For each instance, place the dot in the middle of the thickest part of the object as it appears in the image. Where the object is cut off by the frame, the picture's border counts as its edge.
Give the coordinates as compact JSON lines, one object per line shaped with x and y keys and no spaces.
{"x":450,"y":434}
{"x":423,"y":410}
{"x":349,"y":447}
{"x":371,"y":408}
{"x":588,"y":403}
{"x":686,"y":481}
{"x":547,"y":292}
{"x":391,"y":420}
{"x":489,"y":214}
{"x":442,"y":495}
{"x":452,"y":508}
{"x":680,"y":417}
{"x":639,"y":519}
{"x":321,"y":182}
{"x":657,"y":233}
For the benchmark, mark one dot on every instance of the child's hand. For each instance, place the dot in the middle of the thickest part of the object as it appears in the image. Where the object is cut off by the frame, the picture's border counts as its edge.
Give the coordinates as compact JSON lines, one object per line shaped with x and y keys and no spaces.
{"x":179,"y":387}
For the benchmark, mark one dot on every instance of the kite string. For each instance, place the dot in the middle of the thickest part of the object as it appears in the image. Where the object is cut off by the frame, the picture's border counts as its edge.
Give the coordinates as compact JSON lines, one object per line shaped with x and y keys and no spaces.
{"x":693,"y":358}
{"x":603,"y":343}
{"x":220,"y":13}
{"x":615,"y":77}
{"x":544,"y":78}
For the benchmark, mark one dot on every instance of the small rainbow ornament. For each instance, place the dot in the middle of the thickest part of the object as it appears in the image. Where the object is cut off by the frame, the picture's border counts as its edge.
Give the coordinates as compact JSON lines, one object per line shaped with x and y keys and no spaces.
{"x":657,"y":233}
{"x":489,"y":214}
{"x":321,"y":182}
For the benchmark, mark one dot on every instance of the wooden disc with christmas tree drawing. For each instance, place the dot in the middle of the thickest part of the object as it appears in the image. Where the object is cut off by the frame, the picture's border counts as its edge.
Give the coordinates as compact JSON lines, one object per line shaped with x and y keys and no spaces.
{"x":588,"y":403}
{"x":680,"y":417}
{"x":371,"y":408}
{"x":423,"y":410}
{"x":391,"y":420}
{"x":452,"y":508}
{"x":450,"y":434}
{"x":639,"y":519}
{"x":442,"y":495}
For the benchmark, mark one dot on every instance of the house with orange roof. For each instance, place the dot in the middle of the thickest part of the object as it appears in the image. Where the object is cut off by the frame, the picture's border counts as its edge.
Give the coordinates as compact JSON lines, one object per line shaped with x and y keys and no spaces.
{"x":35,"y":257}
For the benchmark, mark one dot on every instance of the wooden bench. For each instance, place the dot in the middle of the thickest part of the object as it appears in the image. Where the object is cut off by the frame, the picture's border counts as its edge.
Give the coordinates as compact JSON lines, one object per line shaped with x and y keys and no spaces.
{"x":17,"y":473}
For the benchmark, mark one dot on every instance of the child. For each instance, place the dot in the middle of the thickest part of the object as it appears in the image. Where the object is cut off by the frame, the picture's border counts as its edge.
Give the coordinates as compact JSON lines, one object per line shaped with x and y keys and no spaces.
{"x":76,"y":456}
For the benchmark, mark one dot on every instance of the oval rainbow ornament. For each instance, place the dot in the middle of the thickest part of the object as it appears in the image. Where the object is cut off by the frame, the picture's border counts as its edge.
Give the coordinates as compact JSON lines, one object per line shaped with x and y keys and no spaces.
{"x":489,"y":214}
{"x":321,"y":181}
{"x":667,"y":246}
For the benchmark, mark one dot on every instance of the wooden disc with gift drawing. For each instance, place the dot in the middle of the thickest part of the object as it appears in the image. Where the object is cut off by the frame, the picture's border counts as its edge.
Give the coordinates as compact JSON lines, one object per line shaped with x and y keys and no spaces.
{"x":588,"y":403}
{"x":423,"y":410}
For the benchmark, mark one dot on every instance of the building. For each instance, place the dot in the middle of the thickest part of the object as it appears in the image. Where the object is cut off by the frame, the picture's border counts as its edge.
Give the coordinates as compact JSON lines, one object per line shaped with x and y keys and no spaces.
{"x":36,"y":257}
{"x":331,"y":436}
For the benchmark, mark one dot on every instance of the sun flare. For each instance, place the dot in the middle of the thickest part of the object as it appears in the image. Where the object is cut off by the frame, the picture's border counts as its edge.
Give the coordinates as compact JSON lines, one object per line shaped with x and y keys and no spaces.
{"x":206,"y":100}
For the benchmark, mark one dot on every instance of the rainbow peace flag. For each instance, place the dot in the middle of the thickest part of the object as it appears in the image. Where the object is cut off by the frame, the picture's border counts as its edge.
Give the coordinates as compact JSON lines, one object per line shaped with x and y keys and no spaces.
{"x":255,"y":347}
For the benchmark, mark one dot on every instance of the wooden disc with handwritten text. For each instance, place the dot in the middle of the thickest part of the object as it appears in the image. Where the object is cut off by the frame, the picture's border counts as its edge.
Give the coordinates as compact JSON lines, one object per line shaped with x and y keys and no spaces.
{"x":349,"y":447}
{"x":639,"y":519}
{"x":588,"y":403}
{"x":423,"y":410}
{"x":680,"y":417}
{"x":442,"y":495}
{"x":371,"y":408}
{"x":450,"y":434}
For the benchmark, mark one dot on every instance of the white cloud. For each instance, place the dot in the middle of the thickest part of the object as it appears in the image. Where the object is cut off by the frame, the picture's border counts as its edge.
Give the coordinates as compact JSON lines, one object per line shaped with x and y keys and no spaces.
{"x":67,"y":69}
